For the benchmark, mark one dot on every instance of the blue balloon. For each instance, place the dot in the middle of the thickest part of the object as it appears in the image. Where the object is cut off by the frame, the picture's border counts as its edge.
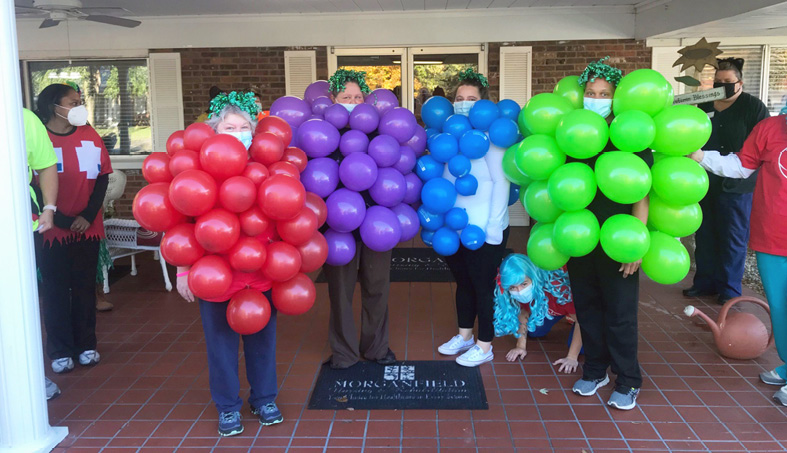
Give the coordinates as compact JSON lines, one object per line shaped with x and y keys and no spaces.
{"x":459,"y":165}
{"x":456,"y":218}
{"x":457,"y":125}
{"x":513,"y":194}
{"x":430,"y":131}
{"x":445,"y":241}
{"x":483,"y":113}
{"x":443,"y":147}
{"x":435,"y":110}
{"x":427,"y":236}
{"x":474,"y":144}
{"x":503,"y":132}
{"x":429,"y":220}
{"x":438,"y":195}
{"x":466,"y":185}
{"x":427,"y":168}
{"x":473,"y":237}
{"x":509,"y":109}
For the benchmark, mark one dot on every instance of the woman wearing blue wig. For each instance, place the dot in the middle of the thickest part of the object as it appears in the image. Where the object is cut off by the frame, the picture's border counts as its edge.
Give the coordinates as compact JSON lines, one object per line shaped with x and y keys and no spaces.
{"x":529,"y":301}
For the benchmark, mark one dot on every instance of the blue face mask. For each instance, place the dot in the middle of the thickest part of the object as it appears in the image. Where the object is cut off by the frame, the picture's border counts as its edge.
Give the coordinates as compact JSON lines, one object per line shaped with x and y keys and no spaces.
{"x":243,"y":136}
{"x":349,"y":107}
{"x":523,"y":296}
{"x":463,"y":107}
{"x":601,"y":106}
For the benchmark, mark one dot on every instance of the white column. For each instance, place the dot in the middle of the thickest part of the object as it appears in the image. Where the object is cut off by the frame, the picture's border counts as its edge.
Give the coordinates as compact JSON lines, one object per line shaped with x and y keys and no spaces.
{"x":24,"y":421}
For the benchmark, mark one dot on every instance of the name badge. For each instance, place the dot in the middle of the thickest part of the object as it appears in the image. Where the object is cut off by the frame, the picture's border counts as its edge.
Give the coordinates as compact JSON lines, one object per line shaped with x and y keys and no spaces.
{"x":711,"y":114}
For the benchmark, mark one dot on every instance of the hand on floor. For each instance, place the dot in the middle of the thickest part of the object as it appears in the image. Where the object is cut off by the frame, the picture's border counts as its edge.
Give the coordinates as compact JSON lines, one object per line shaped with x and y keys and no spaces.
{"x":516,"y":353}
{"x":567,"y":365}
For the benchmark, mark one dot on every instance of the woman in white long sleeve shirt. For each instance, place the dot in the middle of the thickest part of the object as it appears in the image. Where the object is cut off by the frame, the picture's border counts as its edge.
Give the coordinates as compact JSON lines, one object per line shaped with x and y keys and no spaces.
{"x":475,"y":270}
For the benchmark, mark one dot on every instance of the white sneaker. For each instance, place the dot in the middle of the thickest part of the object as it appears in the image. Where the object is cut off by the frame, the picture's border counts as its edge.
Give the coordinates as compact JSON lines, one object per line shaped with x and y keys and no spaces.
{"x":475,"y":356}
{"x":52,"y":390}
{"x":456,"y":345}
{"x":89,"y":357}
{"x":62,"y":365}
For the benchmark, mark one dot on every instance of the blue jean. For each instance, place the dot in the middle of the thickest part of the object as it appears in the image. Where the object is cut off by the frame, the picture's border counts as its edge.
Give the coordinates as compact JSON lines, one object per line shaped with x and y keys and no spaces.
{"x":259,"y":351}
{"x":773,"y":271}
{"x":543,"y":330}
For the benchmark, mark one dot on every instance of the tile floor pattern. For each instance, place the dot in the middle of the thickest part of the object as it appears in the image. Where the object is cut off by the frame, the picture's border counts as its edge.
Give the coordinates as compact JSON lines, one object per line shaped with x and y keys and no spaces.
{"x":150,"y":392}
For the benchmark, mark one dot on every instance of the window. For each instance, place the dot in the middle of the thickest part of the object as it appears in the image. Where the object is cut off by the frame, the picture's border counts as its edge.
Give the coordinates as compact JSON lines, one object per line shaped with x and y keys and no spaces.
{"x":777,"y":80}
{"x":116,"y":94}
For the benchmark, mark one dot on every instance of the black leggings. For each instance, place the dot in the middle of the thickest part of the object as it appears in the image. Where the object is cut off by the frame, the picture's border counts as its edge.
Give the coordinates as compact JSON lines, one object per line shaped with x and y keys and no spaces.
{"x":475,"y":272}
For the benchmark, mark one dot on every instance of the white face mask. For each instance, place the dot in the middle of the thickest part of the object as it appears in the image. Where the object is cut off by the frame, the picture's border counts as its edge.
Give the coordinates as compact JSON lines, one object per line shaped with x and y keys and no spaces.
{"x":243,"y":136}
{"x":523,"y":296}
{"x":349,"y":107}
{"x":463,"y":107}
{"x":77,"y":116}
{"x":601,"y":106}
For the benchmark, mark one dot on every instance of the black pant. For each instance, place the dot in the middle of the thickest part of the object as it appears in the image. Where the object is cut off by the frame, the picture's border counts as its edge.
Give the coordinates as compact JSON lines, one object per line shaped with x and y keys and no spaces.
{"x":606,"y":305}
{"x":475,"y":272}
{"x":68,"y":273}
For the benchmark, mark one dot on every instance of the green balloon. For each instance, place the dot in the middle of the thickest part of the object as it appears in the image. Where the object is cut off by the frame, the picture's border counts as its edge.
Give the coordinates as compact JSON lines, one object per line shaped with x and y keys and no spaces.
{"x":576,"y":233}
{"x":541,"y":249}
{"x":632,"y":131}
{"x":667,"y":261}
{"x":623,"y":177}
{"x":680,"y":130}
{"x":572,"y":186}
{"x":679,"y":181}
{"x":538,"y":156}
{"x":510,"y":169}
{"x":643,"y":89}
{"x":538,"y":204}
{"x":624,"y":238}
{"x":582,"y":134}
{"x":657,"y":156}
{"x":676,"y":221}
{"x":542,"y":113}
{"x":569,"y":88}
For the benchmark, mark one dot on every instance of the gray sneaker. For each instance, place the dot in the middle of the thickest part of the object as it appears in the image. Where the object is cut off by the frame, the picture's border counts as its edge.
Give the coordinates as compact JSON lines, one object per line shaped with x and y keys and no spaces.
{"x":772,"y":378}
{"x":52,"y":390}
{"x":624,"y":398}
{"x":588,"y":388}
{"x":781,"y":396}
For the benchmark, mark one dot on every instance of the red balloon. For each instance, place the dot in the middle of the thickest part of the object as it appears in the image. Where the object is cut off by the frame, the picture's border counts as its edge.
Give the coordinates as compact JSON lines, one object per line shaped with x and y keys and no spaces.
{"x":183,"y":160}
{"x":153,"y":209}
{"x":218,"y":230}
{"x":237,"y":194}
{"x":266,"y":148}
{"x":283,"y":262}
{"x":299,"y":229}
{"x":247,"y":255}
{"x":179,"y":246}
{"x":256,"y":172}
{"x":295,"y":156}
{"x":210,"y":277}
{"x":223,"y":156}
{"x":281,"y":197}
{"x":269,"y":235}
{"x":284,"y":168}
{"x":175,"y":143}
{"x":317,"y":205}
{"x":248,"y":312}
{"x":253,"y":222}
{"x":313,"y":252}
{"x":155,"y":168}
{"x":196,"y":134}
{"x":295,"y":296}
{"x":275,"y":126}
{"x":193,"y":192}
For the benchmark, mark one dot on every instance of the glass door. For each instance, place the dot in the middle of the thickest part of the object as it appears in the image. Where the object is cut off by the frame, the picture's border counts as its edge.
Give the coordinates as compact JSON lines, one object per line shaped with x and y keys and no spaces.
{"x":435,"y":71}
{"x":383,"y":67}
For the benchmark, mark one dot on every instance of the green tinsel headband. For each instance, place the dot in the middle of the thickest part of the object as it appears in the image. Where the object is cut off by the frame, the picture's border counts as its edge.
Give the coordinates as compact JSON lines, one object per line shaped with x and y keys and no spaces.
{"x":470,"y":76}
{"x":340,"y":78}
{"x":244,"y":101}
{"x":603,"y":70}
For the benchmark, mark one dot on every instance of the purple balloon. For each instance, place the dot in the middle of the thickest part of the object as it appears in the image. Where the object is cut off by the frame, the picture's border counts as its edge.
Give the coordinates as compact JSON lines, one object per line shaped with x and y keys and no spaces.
{"x":318,"y":89}
{"x":383,"y":100}
{"x":341,"y":247}
{"x":291,"y":109}
{"x":399,"y":123}
{"x":321,"y":104}
{"x":346,"y":210}
{"x":408,"y":220}
{"x":418,"y":141}
{"x":384,"y":149}
{"x":318,"y":138}
{"x":294,"y":141}
{"x":414,"y":185}
{"x":406,"y":160}
{"x":337,"y":115}
{"x":380,"y":230}
{"x":389,"y":189}
{"x":316,"y":116}
{"x":358,"y":171}
{"x":353,"y":142}
{"x":364,"y":118}
{"x":321,"y":176}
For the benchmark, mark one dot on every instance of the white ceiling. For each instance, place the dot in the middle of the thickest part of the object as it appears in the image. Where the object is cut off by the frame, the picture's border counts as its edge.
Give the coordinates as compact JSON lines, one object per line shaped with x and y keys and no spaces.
{"x":769,"y":21}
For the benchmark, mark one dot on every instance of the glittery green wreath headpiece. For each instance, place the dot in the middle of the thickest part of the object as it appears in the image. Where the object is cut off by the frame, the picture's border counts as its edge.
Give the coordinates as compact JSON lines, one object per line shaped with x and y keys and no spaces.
{"x":470,"y":76}
{"x":603,"y":70}
{"x":340,"y":78}
{"x":244,"y":101}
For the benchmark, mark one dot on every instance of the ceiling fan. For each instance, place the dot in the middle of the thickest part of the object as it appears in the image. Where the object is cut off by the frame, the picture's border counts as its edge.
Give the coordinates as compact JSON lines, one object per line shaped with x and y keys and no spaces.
{"x":60,"y":10}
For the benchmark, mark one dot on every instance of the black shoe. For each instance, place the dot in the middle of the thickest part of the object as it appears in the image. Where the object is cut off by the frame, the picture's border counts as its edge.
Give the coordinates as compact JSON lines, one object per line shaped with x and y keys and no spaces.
{"x":723,"y":299}
{"x":695,"y":292}
{"x":336,"y":366}
{"x":388,"y":359}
